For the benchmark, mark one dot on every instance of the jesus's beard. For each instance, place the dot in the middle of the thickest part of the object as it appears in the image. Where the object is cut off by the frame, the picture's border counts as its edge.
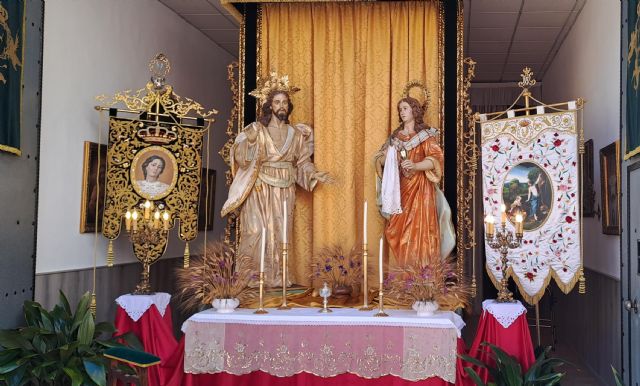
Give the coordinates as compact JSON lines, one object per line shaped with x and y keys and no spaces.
{"x":282,"y":115}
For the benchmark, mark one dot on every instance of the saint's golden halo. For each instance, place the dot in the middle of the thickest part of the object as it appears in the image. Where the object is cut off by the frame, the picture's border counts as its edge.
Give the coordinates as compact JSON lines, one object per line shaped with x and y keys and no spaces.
{"x":425,"y":92}
{"x":273,"y":83}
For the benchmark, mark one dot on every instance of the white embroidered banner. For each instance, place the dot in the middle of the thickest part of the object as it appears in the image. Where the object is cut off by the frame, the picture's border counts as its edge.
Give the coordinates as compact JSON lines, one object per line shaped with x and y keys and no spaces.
{"x":530,"y":164}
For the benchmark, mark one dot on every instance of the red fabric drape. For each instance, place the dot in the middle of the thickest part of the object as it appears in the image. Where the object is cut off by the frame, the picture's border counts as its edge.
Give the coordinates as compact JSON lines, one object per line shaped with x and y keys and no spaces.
{"x":514,"y":340}
{"x":156,"y":334}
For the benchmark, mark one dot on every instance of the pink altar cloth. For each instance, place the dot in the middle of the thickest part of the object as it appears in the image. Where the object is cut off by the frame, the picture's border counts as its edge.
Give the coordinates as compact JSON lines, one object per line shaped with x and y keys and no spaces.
{"x":347,"y":341}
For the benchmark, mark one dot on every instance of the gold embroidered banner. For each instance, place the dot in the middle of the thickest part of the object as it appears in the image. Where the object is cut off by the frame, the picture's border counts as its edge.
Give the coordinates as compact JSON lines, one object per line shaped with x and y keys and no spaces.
{"x":11,"y":56}
{"x":530,"y":164}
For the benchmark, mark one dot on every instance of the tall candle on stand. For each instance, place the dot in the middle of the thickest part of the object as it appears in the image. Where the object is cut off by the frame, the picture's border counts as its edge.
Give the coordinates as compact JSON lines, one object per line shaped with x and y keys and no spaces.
{"x":380,"y":258}
{"x":284,"y":231}
{"x":503,"y":213}
{"x":264,"y":236}
{"x":364,"y":237}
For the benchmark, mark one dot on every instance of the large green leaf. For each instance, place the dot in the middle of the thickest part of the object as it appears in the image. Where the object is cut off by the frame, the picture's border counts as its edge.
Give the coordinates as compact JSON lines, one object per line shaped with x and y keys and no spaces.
{"x":474,"y":376}
{"x":12,"y":339}
{"x":9,"y":367}
{"x":618,"y":378}
{"x":472,"y":360}
{"x":96,"y":371}
{"x":86,"y":329}
{"x":105,"y":328}
{"x":81,"y":310}
{"x":64,"y":303}
{"x":18,"y":377}
{"x":75,"y":375}
{"x":7,"y":356}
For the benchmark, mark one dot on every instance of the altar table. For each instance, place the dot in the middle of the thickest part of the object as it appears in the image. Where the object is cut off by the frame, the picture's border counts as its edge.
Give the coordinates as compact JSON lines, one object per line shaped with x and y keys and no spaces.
{"x":302,"y":346}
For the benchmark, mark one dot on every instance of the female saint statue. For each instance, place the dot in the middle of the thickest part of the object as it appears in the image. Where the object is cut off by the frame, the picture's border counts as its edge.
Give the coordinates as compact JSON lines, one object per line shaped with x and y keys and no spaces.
{"x":410,"y":165}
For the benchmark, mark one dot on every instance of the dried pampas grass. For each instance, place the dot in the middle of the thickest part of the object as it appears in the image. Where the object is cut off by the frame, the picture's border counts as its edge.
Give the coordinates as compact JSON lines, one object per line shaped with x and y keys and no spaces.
{"x":216,"y":274}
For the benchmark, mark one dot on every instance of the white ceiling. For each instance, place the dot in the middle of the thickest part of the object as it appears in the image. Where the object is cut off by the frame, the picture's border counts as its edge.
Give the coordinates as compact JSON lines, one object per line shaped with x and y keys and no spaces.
{"x":212,"y":19}
{"x":504,"y":36}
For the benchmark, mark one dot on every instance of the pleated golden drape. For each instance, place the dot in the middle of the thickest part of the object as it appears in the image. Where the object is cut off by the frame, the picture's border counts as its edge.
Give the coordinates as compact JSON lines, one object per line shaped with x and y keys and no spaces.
{"x":352,"y":61}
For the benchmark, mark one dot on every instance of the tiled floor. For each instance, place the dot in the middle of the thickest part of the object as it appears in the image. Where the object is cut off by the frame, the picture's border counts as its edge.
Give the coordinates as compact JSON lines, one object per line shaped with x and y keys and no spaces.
{"x":577,"y":375}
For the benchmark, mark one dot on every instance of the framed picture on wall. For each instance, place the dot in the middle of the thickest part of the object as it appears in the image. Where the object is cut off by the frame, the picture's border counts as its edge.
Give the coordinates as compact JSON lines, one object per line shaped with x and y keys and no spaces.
{"x":92,"y":194}
{"x":588,"y":191}
{"x":610,"y":188}
{"x":206,"y":206}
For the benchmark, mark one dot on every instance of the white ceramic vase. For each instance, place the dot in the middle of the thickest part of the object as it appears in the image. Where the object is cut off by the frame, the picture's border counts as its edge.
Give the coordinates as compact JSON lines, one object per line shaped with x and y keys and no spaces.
{"x":425,"y":308}
{"x":225,"y":306}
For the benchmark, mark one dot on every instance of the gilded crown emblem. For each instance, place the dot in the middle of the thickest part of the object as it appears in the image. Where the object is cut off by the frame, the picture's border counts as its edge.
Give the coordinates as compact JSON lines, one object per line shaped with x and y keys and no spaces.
{"x":160,"y":133}
{"x":273,"y":83}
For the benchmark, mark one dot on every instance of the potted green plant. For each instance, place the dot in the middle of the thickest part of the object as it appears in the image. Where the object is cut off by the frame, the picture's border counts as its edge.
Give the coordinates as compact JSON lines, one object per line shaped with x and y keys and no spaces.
{"x":506,"y":370}
{"x":58,"y":347}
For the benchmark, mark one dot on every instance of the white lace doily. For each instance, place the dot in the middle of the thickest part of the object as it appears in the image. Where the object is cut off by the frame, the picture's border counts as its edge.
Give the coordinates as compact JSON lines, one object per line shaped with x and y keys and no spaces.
{"x":136,"y":305}
{"x":505,"y":313}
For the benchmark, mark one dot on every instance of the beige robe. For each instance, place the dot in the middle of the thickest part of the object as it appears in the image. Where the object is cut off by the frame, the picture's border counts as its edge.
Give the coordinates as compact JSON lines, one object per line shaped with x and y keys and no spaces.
{"x":264,"y":177}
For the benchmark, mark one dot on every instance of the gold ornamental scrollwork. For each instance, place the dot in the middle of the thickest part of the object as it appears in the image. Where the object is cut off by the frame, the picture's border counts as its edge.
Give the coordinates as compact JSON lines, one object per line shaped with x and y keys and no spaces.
{"x":153,"y":131}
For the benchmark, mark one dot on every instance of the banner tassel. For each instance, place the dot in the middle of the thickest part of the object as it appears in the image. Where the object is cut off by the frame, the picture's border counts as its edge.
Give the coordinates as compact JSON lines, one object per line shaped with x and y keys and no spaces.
{"x":187,"y":255}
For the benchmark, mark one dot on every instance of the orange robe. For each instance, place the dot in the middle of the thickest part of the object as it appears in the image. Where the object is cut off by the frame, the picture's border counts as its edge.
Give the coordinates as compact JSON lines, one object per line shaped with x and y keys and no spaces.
{"x":415,"y":233}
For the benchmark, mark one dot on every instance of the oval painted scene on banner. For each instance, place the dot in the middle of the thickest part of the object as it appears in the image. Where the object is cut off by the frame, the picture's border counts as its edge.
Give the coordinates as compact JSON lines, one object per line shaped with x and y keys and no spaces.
{"x":527,"y":190}
{"x":154,"y":172}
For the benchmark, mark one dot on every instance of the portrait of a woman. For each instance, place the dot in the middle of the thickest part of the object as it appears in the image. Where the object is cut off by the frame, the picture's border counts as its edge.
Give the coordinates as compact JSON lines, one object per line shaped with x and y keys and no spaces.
{"x":152,"y":168}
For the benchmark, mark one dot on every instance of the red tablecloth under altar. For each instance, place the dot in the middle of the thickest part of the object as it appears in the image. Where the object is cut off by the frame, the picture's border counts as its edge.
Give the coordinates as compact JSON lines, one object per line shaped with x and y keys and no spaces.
{"x":175,"y":376}
{"x":515,"y":339}
{"x":156,"y":334}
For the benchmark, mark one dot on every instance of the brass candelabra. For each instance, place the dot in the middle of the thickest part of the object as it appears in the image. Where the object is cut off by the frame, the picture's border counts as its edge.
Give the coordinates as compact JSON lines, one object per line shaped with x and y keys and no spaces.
{"x":503,"y":240}
{"x":148,"y":233}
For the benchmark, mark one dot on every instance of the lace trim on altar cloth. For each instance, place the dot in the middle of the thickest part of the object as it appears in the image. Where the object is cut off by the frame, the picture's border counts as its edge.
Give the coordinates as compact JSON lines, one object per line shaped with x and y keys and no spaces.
{"x":505,"y":313}
{"x":326,"y":351}
{"x":136,"y":305}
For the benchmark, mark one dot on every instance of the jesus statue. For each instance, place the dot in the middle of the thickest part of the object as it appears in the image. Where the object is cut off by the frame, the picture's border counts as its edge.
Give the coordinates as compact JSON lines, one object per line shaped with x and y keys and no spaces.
{"x":269,"y":157}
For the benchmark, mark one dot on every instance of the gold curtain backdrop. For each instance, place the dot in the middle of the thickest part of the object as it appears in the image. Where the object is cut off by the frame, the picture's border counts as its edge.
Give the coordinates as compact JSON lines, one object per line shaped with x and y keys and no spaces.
{"x":352,"y":61}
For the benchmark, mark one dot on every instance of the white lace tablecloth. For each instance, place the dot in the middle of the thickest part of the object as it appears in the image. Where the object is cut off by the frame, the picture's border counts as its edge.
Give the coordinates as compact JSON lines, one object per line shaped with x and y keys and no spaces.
{"x":285,"y":343}
{"x":505,"y":313}
{"x":136,"y":305}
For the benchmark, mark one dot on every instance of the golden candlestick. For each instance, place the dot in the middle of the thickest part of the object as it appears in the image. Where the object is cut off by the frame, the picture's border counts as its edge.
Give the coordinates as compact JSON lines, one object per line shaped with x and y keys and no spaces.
{"x":502,"y":241}
{"x":261,"y":309}
{"x":380,"y":312}
{"x":285,"y":252}
{"x":365,"y":288}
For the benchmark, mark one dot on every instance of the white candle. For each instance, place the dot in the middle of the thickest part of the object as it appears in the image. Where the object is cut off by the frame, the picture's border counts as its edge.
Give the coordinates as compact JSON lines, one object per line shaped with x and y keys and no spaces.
{"x":284,"y":230}
{"x":364,"y":238}
{"x":264,"y":236}
{"x":380,"y":258}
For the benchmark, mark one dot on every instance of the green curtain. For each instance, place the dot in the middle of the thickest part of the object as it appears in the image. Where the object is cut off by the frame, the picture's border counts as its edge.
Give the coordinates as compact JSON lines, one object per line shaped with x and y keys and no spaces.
{"x":11,"y":59}
{"x":633,"y":80}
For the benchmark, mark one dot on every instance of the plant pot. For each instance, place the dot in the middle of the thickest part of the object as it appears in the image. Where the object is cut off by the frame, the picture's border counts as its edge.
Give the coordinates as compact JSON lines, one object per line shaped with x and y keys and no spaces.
{"x":342,"y":291}
{"x":225,"y":306}
{"x":425,"y":308}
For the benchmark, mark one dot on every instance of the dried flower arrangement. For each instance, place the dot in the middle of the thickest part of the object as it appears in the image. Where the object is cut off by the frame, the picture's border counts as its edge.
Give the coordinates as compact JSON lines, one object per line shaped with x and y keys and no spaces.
{"x":216,"y":274}
{"x":436,"y":281}
{"x":333,"y":266}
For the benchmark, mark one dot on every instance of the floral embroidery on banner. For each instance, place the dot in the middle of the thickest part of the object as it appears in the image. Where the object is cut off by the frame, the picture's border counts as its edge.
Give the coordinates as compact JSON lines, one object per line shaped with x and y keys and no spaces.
{"x":549,"y":142}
